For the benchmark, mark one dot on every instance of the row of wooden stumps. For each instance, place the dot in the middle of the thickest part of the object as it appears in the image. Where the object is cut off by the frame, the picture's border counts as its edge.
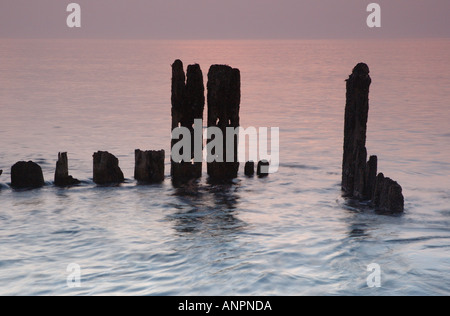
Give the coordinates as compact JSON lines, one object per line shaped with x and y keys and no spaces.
{"x":149,"y":168}
{"x":359,"y":176}
{"x":188,"y":103}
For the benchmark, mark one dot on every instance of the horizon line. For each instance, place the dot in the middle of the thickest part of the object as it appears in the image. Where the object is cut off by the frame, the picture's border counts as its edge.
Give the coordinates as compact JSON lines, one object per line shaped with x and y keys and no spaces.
{"x":231,"y":39}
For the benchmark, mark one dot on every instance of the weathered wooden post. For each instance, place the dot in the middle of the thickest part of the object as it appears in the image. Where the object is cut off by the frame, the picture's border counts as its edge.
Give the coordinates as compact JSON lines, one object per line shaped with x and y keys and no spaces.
{"x":106,"y":169}
{"x":62,"y":177}
{"x":388,"y":196}
{"x":356,"y":115}
{"x":359,"y":177}
{"x":149,"y":166}
{"x":224,"y":98}
{"x":188,"y":103}
{"x":26,"y":175}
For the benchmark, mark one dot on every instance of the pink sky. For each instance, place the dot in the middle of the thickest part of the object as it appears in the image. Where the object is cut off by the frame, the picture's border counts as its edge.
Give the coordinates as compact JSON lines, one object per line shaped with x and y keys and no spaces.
{"x":218,"y":19}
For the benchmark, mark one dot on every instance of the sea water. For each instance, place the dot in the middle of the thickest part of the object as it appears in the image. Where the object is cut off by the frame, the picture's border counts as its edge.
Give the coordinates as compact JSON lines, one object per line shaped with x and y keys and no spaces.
{"x":288,"y":234}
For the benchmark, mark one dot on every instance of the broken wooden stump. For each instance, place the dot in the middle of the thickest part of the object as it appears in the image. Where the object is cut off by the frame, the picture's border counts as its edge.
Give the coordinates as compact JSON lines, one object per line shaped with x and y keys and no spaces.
{"x":388,"y":196}
{"x":249,"y":169}
{"x":359,"y":176}
{"x":188,"y":103}
{"x":263,"y":168}
{"x":224,"y":98}
{"x":149,"y":166}
{"x":26,"y":175}
{"x":62,"y":177}
{"x":106,"y":169}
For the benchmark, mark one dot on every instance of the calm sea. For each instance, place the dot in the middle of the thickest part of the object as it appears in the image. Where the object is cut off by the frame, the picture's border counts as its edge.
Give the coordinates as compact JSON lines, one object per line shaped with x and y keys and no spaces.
{"x":289,"y":234}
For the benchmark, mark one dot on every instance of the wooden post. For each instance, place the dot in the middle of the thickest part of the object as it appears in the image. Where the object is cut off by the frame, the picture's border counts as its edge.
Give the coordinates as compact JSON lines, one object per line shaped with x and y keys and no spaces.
{"x":149,"y":166}
{"x":62,"y":177}
{"x":26,"y":175}
{"x":359,"y":178}
{"x":106,"y":169}
{"x":188,"y":103}
{"x":356,"y":115}
{"x":224,"y":98}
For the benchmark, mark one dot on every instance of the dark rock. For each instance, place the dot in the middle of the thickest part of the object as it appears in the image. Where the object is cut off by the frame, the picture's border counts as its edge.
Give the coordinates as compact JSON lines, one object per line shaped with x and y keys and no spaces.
{"x":1,"y":172}
{"x":188,"y":103}
{"x":249,"y":169}
{"x":224,"y":98}
{"x":106,"y":169}
{"x":262,"y":170}
{"x":26,"y":175}
{"x":149,"y":166}
{"x":62,"y":177}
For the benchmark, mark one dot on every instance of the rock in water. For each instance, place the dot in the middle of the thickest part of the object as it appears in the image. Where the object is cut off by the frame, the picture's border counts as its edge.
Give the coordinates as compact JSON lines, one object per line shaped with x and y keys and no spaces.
{"x":26,"y":175}
{"x":106,"y":169}
{"x":62,"y":177}
{"x":249,"y":168}
{"x":224,"y":98}
{"x":188,"y":103}
{"x":149,"y":166}
{"x":263,"y":168}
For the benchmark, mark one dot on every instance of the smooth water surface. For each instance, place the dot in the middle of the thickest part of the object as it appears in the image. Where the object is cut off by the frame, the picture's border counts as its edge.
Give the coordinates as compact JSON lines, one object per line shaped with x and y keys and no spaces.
{"x":288,"y":234}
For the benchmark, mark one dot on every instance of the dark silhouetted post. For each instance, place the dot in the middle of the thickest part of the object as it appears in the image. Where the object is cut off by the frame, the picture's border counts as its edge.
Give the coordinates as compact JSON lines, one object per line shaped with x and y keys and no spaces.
{"x":224,"y":98}
{"x":356,"y":115}
{"x":188,"y":103}
{"x":106,"y":169}
{"x":149,"y":166}
{"x":26,"y":175}
{"x":388,"y":195}
{"x":62,"y":177}
{"x":359,"y":177}
{"x":263,"y":168}
{"x":249,"y":168}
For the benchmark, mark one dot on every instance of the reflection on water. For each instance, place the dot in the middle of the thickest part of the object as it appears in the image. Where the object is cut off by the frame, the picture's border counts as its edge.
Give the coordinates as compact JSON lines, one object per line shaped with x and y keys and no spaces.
{"x":208,"y":209}
{"x":358,"y":231}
